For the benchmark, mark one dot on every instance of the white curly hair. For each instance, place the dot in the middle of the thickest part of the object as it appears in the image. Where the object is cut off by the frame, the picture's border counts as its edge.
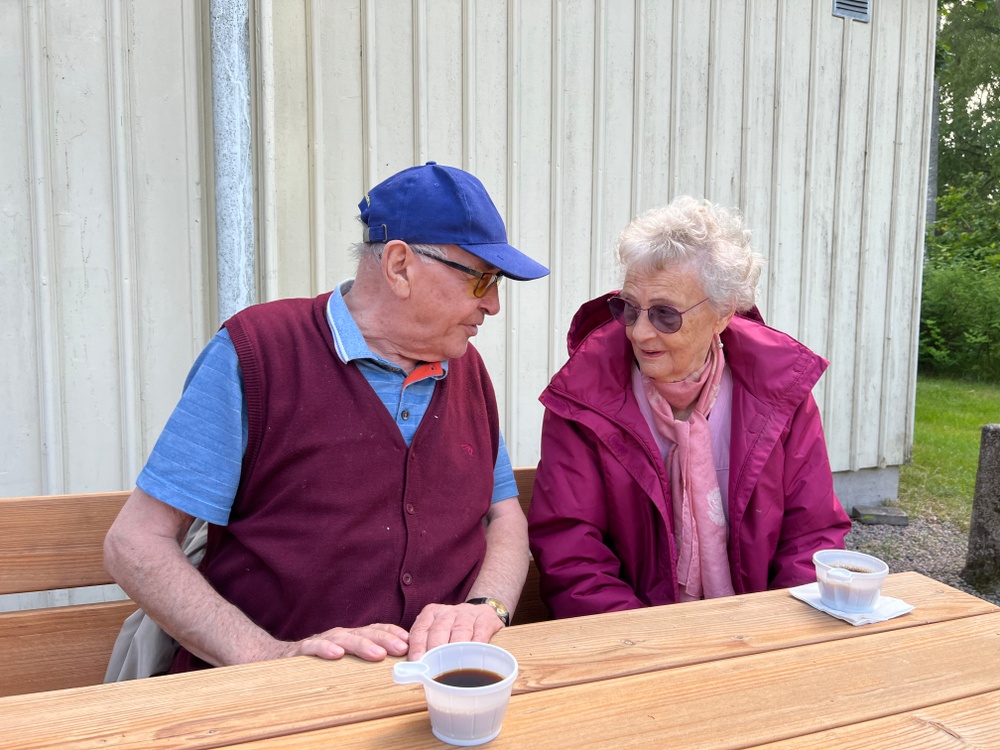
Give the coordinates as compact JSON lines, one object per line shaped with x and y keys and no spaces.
{"x":699,"y":235}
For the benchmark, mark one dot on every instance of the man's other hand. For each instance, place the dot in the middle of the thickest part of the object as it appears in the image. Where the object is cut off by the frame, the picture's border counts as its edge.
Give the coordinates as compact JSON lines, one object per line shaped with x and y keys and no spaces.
{"x":371,"y":643}
{"x":438,"y":624}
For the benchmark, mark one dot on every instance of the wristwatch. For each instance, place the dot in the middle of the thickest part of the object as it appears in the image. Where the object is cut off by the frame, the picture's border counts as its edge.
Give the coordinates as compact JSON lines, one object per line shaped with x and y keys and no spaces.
{"x":498,"y":607}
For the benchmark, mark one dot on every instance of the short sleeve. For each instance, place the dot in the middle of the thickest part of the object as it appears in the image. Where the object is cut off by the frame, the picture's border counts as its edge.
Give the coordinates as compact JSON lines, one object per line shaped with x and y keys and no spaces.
{"x":196,"y":462}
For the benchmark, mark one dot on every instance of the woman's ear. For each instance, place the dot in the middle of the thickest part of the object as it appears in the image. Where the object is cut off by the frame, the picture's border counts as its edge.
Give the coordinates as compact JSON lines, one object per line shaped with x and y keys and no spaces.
{"x":722,"y":323}
{"x":397,"y":264}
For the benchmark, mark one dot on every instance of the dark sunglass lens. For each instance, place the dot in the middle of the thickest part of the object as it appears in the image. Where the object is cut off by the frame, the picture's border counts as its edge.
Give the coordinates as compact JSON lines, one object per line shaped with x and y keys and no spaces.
{"x":665,"y":318}
{"x":623,"y":311}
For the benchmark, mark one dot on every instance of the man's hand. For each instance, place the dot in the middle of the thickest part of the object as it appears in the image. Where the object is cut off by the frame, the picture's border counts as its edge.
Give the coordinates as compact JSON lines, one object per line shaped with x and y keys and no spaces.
{"x":371,"y":643}
{"x":438,"y":624}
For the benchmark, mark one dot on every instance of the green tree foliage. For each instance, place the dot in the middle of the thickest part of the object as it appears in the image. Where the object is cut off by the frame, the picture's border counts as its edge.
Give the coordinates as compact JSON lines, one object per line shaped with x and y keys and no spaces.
{"x":960,"y":308}
{"x":960,"y":305}
{"x":968,"y":73}
{"x":967,"y":230}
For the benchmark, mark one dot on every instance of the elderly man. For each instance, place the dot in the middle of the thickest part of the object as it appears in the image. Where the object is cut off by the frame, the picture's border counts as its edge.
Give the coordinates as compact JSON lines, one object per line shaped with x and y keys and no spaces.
{"x":346,"y":454}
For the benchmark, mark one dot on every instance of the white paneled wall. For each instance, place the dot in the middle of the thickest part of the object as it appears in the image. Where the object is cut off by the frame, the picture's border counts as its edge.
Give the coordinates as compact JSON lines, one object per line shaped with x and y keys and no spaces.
{"x":103,"y":299}
{"x":103,"y":251}
{"x":576,"y":114}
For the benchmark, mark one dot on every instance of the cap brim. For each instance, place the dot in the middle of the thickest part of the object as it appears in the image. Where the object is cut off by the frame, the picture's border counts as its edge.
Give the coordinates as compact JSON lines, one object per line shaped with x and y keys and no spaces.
{"x":514,"y":264}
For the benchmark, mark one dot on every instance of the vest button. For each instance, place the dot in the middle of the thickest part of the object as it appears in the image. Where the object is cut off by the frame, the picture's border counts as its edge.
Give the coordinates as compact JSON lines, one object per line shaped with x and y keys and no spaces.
{"x":409,"y":508}
{"x":407,"y":579}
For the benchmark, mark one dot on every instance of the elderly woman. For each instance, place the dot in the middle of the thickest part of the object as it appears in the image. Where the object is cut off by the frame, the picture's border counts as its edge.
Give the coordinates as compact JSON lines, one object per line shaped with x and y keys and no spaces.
{"x":682,"y":451}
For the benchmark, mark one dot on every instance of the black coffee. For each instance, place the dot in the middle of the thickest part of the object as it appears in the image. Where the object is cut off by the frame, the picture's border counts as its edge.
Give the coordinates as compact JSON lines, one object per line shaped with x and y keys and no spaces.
{"x":852,"y":568}
{"x":468,"y":678}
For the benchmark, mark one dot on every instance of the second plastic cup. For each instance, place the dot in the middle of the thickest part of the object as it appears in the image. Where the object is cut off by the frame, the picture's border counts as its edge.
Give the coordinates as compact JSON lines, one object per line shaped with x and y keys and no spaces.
{"x":463,"y":715}
{"x":849,"y":581}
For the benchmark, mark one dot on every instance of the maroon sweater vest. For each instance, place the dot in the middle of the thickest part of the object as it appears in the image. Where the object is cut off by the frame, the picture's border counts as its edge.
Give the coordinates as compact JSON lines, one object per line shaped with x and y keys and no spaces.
{"x":336,"y":522}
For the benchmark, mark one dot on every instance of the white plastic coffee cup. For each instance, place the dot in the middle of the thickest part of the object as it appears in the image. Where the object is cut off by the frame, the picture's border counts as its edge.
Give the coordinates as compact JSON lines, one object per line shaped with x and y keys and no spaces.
{"x":462,"y":715}
{"x":849,"y":581}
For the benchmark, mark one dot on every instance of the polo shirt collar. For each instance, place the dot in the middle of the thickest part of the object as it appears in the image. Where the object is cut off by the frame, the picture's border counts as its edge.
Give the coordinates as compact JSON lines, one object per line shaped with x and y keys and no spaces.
{"x":351,"y":345}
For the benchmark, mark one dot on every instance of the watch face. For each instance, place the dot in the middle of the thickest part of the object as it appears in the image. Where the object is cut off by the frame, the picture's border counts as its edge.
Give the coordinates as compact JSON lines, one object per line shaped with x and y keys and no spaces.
{"x":498,"y":607}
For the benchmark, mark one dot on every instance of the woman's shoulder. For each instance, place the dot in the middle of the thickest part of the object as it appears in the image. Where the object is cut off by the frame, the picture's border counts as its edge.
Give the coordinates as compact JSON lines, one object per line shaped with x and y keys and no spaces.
{"x":767,"y":357}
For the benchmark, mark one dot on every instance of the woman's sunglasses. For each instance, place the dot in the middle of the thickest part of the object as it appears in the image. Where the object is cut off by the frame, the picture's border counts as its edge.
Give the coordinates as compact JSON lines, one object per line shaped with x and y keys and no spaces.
{"x":663,"y":317}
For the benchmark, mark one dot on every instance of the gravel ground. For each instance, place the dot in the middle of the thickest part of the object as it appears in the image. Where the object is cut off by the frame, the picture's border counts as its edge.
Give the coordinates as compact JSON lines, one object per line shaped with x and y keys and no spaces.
{"x":930,"y":546}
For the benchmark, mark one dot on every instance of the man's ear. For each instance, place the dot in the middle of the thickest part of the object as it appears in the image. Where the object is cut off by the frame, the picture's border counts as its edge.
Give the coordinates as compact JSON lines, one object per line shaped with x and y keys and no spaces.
{"x":397,"y":265}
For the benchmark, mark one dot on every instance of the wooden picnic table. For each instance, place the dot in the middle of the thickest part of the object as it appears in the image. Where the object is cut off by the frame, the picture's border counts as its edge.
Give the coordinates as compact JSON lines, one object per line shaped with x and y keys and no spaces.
{"x":757,"y":670}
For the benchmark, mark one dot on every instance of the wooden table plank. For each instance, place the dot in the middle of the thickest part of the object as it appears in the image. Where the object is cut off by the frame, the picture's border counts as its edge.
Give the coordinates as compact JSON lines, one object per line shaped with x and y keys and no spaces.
{"x":253,"y":701}
{"x":567,"y":652}
{"x":733,"y":703}
{"x":965,"y":723}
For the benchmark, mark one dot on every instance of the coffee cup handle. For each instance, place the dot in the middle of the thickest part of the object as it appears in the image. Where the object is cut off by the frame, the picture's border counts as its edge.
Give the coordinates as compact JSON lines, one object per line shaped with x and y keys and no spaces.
{"x":404,"y":672}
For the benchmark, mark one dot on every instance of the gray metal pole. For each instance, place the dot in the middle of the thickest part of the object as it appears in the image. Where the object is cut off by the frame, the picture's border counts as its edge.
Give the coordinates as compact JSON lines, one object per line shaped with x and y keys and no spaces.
{"x":234,"y":216}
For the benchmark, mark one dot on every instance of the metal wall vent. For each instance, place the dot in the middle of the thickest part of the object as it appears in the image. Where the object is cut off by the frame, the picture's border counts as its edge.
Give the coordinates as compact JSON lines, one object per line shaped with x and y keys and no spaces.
{"x":859,"y":10}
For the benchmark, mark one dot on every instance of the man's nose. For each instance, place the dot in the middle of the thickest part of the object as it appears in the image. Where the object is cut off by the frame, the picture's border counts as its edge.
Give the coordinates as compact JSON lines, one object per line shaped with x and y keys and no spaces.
{"x":490,"y":302}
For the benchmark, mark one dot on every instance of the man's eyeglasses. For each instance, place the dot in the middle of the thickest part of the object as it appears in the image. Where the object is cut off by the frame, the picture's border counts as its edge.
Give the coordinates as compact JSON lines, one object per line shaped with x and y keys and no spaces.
{"x":663,"y":317}
{"x":485,"y":279}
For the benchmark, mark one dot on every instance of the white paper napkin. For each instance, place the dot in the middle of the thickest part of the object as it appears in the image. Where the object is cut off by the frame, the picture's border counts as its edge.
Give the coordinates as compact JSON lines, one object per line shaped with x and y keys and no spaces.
{"x":886,"y":609}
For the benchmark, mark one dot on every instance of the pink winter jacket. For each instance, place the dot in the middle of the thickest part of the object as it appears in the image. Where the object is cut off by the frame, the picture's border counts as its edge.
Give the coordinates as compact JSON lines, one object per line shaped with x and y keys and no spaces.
{"x":600,"y":524}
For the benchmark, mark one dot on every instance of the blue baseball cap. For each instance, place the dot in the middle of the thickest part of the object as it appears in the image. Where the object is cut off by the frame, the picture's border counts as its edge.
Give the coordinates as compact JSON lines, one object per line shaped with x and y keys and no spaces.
{"x":437,"y":205}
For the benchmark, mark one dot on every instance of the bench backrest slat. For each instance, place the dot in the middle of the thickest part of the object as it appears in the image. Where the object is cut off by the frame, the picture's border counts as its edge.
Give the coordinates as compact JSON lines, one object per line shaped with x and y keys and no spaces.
{"x":58,"y":647}
{"x":55,"y":541}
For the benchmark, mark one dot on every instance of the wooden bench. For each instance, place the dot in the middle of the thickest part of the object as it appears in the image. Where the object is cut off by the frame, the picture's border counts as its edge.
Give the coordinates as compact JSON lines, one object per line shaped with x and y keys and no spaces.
{"x":530,"y":608}
{"x":57,"y":542}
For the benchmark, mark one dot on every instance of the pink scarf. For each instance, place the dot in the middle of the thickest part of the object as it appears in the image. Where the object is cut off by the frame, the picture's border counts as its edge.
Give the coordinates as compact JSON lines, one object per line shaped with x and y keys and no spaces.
{"x":699,"y":518}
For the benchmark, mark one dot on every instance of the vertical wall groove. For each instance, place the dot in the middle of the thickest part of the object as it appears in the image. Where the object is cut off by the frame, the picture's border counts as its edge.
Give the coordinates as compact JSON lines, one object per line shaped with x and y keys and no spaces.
{"x":805,"y":301}
{"x":557,"y":136}
{"x":120,"y":117}
{"x":744,"y":110}
{"x":198,"y":133}
{"x":832,"y":320}
{"x":674,"y":105}
{"x":710,"y":114}
{"x":600,"y":68}
{"x":264,"y":140}
{"x":317,"y":142}
{"x":858,"y":418}
{"x":777,"y":160}
{"x":368,"y":99}
{"x":469,"y":77}
{"x":638,"y":106}
{"x":918,"y":240}
{"x":891,"y":260}
{"x":512,"y":354}
{"x":420,"y":89}
{"x":46,"y":279}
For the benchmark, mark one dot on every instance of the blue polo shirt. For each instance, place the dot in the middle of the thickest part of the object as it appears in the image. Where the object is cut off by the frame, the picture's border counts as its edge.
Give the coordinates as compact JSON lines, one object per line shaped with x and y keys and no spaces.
{"x":196,"y":462}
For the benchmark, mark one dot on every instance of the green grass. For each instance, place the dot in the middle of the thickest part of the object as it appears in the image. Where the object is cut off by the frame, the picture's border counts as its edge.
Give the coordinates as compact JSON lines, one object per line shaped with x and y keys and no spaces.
{"x":941,"y":480}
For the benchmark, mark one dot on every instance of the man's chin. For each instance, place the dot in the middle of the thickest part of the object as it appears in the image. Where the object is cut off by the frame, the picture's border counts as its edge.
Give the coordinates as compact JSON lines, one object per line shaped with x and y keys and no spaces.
{"x":458,"y":350}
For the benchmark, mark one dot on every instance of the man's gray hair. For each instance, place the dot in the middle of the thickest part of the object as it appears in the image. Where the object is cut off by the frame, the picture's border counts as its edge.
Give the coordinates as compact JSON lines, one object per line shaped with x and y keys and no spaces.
{"x":373,"y":250}
{"x":701,"y":236}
